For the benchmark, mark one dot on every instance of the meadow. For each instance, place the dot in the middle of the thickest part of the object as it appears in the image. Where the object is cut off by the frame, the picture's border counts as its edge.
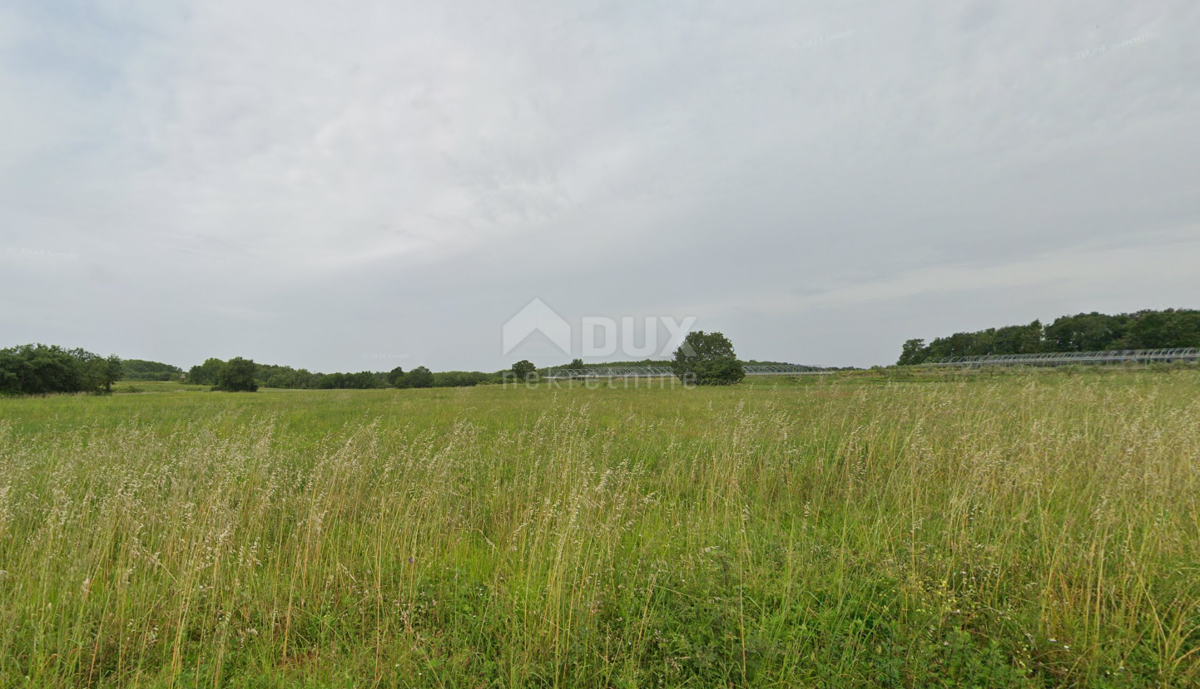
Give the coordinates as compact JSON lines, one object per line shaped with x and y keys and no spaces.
{"x":1015,"y":530}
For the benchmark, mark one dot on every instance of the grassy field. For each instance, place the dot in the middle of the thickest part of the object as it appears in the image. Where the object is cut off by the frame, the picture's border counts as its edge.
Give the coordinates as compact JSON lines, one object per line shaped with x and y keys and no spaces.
{"x":988,"y":531}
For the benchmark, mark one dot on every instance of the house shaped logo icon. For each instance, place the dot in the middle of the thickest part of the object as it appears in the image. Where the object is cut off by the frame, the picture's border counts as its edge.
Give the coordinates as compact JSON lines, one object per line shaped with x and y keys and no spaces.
{"x":537,"y":317}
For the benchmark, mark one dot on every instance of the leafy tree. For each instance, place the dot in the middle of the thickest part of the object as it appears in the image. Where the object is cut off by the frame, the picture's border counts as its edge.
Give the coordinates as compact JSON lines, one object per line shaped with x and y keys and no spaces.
{"x":523,"y":369}
{"x":707,"y":359}
{"x":277,"y":380}
{"x":1017,"y":339}
{"x":139,"y":369}
{"x":396,"y":378}
{"x":42,"y":369}
{"x":576,"y":364}
{"x":913,"y":353}
{"x":459,"y":379}
{"x":366,"y":380}
{"x":1085,"y":332}
{"x":237,"y":375}
{"x":99,"y":373}
{"x":206,"y":373}
{"x":420,"y":377}
{"x":1181,"y":328}
{"x":272,"y":376}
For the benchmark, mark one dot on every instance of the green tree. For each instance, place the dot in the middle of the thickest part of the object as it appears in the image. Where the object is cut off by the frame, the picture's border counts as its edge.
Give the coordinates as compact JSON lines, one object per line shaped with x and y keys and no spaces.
{"x":524,"y":369}
{"x":396,"y":378}
{"x":420,"y":377}
{"x":139,"y":369}
{"x":1016,"y":339}
{"x":237,"y":375}
{"x":206,"y":373}
{"x":458,"y":379}
{"x":914,"y":352}
{"x":707,"y":359}
{"x":42,"y":370}
{"x":576,"y":364}
{"x":99,"y":373}
{"x":1085,"y":332}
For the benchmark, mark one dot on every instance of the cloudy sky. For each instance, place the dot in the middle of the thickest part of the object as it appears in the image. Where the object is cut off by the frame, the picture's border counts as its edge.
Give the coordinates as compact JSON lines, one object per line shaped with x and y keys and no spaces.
{"x":348,"y":186}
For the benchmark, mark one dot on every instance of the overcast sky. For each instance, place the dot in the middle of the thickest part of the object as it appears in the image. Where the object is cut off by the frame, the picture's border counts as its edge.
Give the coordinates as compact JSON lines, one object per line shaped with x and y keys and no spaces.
{"x":349,"y":186}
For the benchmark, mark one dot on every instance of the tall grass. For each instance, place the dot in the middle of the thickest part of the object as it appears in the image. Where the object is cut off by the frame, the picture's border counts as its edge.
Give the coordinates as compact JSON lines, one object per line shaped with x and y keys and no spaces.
{"x":1015,"y":531}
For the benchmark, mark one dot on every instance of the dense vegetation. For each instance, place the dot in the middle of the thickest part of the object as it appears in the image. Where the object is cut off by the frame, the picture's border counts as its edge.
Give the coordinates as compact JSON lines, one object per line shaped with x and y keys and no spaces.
{"x":37,"y":369}
{"x":140,"y":369}
{"x":977,"y":530}
{"x":1085,"y":332}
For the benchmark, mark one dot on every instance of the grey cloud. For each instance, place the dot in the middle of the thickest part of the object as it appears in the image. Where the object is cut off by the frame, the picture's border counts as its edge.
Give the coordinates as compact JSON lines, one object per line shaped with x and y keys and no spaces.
{"x":306,"y":183}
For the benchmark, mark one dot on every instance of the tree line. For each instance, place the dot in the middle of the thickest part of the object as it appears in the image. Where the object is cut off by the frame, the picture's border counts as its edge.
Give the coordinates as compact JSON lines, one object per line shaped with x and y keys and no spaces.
{"x":38,"y":369}
{"x":702,"y":359}
{"x":140,"y":369}
{"x":274,"y":376}
{"x":1085,"y":332}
